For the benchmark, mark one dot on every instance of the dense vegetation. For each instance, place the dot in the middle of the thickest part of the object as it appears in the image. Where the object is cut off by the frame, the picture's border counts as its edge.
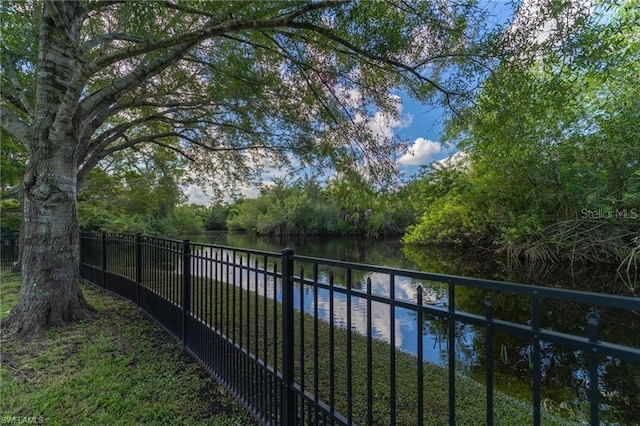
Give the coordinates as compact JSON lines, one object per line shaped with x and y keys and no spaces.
{"x":345,"y":206}
{"x":145,"y":194}
{"x":550,"y":163}
{"x":548,"y":170}
{"x":139,"y":192}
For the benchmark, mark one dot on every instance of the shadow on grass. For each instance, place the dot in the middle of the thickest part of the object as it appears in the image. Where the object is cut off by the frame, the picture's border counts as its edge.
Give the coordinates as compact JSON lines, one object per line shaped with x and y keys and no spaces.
{"x":117,"y":368}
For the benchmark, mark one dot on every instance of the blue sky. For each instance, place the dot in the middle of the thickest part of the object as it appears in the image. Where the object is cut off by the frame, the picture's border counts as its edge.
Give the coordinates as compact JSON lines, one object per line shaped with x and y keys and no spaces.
{"x":419,"y":124}
{"x":423,"y":132}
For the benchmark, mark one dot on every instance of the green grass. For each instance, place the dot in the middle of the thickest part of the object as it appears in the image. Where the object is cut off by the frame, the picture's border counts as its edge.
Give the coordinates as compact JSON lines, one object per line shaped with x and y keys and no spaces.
{"x":470,"y":394}
{"x":117,"y":368}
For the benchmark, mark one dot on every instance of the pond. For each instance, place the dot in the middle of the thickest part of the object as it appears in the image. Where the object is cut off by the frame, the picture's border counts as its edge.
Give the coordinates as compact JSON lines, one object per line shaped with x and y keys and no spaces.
{"x":565,"y":381}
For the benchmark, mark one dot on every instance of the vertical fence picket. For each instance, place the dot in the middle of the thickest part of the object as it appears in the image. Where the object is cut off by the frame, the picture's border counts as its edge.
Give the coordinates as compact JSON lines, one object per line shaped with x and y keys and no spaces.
{"x":275,"y":389}
{"x":288,"y":343}
{"x":420,"y":344}
{"x":104,"y":259}
{"x":488,"y":312}
{"x":349,"y":350}
{"x":234,"y":284}
{"x":82,"y":237}
{"x":197,"y":303}
{"x":302,"y":342}
{"x":452,"y":354}
{"x":186,"y":288}
{"x":392,"y":348}
{"x":537,"y":370}
{"x":138,"y":267}
{"x":332,"y":375}
{"x":369,"y":355}
{"x":316,"y":345}
{"x":594,"y":392}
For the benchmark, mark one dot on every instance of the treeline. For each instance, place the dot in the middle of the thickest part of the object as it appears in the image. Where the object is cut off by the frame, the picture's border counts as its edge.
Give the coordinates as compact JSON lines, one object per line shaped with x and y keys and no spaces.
{"x":149,"y":200}
{"x":144,"y":193}
{"x":344,"y":206}
{"x":140,"y":192}
{"x":548,"y":170}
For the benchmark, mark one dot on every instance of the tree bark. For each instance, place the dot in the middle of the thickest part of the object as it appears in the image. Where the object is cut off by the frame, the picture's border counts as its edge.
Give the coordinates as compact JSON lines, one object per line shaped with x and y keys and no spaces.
{"x":50,"y":293}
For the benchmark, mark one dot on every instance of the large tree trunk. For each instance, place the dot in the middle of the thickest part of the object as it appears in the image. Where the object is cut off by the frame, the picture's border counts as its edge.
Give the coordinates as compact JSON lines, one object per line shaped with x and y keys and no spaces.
{"x":50,"y":254}
{"x":51,"y":293}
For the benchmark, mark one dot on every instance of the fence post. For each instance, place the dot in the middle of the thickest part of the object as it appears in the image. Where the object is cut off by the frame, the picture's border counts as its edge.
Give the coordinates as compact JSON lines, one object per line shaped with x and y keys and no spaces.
{"x":81,"y":251}
{"x":594,"y":391}
{"x":104,"y":258}
{"x":488,"y":313}
{"x":288,"y":396}
{"x":81,"y":268}
{"x":138,"y":267}
{"x":186,"y":288}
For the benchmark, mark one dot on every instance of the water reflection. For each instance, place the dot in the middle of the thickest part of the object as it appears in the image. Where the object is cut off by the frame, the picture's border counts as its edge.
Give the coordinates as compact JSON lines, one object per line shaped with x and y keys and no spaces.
{"x":564,"y":379}
{"x":565,"y":382}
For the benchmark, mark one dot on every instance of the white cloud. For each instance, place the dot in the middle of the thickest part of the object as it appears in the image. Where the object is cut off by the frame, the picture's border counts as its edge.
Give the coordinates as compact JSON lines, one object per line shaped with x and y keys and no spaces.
{"x":382,"y":124}
{"x":202,"y":192}
{"x":196,"y":195}
{"x":457,"y":160}
{"x":421,"y":152}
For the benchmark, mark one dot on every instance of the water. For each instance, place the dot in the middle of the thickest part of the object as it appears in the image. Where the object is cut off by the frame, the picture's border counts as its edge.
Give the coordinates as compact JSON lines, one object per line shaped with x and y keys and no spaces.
{"x":565,"y":380}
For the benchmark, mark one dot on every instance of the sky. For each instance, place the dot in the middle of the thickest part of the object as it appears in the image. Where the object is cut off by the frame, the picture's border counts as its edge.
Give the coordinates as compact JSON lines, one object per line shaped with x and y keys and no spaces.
{"x":423,"y":131}
{"x":419,"y":124}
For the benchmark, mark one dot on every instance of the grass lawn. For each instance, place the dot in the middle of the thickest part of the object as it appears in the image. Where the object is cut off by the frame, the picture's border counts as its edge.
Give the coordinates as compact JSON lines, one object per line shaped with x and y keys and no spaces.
{"x":117,"y":368}
{"x":121,"y":368}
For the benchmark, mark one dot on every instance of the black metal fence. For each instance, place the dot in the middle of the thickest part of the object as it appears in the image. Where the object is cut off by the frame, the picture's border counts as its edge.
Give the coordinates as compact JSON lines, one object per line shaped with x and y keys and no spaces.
{"x":8,"y":251}
{"x":303,"y":340}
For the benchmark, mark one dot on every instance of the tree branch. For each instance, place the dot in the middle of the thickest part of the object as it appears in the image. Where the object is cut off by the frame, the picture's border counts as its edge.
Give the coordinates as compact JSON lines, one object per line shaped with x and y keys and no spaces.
{"x":98,"y":155}
{"x":174,"y":149}
{"x":179,"y":46}
{"x":362,"y":52}
{"x":183,"y":8}
{"x":8,"y":65}
{"x":109,"y":37}
{"x":210,"y":30}
{"x":12,"y":124}
{"x":101,"y":98}
{"x":12,"y":192}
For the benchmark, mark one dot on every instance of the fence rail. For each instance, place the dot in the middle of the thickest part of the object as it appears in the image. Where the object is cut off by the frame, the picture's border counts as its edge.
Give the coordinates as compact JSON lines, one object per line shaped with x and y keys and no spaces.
{"x":304,"y":340}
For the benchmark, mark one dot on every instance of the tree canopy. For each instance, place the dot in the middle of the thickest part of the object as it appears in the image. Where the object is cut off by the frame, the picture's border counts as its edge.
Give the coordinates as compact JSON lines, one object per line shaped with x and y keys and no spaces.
{"x":229,"y":86}
{"x":552,"y":153}
{"x":287,"y":81}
